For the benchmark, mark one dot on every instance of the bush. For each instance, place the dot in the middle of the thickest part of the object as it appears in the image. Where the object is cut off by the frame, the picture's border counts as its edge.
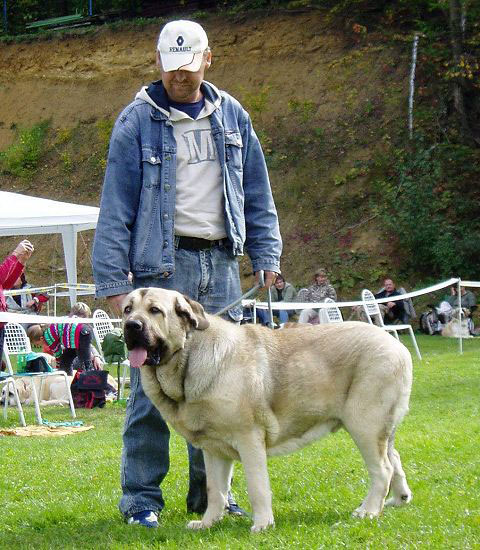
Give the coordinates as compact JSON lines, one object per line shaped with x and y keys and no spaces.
{"x":433,"y":209}
{"x":22,"y":157}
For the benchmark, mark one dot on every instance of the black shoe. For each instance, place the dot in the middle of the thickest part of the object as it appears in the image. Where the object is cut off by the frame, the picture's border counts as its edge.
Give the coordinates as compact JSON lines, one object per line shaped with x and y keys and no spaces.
{"x":233,"y":508}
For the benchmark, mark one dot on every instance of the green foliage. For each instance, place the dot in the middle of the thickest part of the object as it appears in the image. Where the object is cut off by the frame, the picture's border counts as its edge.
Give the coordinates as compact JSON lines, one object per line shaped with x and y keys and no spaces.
{"x":256,"y":103}
{"x":304,"y":109}
{"x":63,"y":135}
{"x":429,"y":203}
{"x":22,"y":157}
{"x":346,"y":269}
{"x":22,"y":12}
{"x":67,"y":162}
{"x":104,"y":129}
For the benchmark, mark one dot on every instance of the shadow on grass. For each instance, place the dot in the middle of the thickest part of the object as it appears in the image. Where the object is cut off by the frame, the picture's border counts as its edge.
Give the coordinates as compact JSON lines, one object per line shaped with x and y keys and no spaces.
{"x":324,"y":517}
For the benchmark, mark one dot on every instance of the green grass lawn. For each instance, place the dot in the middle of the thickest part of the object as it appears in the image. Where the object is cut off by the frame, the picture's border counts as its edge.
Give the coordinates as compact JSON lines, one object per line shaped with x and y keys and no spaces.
{"x":63,"y":492}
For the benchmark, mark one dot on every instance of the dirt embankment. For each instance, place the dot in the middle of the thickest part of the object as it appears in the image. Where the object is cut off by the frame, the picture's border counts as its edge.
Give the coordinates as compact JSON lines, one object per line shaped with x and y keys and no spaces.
{"x":83,"y":78}
{"x":322,"y":103}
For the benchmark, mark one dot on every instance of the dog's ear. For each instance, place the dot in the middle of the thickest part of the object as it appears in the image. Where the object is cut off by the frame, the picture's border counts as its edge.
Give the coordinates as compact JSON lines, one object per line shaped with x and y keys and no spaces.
{"x":192,"y":311}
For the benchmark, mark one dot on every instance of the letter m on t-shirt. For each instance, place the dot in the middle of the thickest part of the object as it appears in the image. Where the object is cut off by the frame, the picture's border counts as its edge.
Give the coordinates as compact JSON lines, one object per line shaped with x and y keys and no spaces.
{"x":200,"y":146}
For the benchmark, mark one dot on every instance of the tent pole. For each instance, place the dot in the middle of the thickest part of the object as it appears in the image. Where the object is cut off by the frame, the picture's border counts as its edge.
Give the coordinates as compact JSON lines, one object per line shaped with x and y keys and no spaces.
{"x":69,"y":238}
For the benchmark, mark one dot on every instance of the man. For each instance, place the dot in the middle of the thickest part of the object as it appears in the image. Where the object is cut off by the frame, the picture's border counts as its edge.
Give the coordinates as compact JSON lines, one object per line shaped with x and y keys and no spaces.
{"x":186,"y":188}
{"x":317,"y":292}
{"x":396,"y":310}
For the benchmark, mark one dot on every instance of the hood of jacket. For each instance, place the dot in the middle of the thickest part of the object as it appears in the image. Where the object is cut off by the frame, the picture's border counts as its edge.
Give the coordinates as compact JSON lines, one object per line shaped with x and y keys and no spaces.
{"x":156,"y":96}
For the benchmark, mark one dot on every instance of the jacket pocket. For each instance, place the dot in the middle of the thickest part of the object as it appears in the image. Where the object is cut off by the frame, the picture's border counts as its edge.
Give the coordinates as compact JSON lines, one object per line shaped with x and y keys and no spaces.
{"x":233,"y":149}
{"x":151,"y":166}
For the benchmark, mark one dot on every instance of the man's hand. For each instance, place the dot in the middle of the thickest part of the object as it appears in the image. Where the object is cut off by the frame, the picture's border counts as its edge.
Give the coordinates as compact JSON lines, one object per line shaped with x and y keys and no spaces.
{"x":115,"y":303}
{"x":269,"y":276}
{"x":390,"y":305}
{"x":23,"y":251}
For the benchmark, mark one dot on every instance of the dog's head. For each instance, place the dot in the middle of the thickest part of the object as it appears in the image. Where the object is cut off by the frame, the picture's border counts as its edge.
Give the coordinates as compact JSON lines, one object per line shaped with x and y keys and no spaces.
{"x":23,"y":389}
{"x":156,"y":324}
{"x":464,"y":313}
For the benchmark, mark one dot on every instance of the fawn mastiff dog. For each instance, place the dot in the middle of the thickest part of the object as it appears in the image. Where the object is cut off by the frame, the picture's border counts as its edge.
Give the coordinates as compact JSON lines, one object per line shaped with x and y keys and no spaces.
{"x":51,"y":391}
{"x":245,"y":392}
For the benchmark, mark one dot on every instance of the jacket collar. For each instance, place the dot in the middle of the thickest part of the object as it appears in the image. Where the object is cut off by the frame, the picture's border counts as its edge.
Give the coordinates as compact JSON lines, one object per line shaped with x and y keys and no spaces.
{"x":156,"y":96}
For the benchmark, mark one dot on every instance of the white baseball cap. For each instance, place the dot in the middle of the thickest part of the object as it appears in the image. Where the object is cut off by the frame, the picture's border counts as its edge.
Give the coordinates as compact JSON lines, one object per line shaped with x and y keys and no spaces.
{"x":181,"y":45}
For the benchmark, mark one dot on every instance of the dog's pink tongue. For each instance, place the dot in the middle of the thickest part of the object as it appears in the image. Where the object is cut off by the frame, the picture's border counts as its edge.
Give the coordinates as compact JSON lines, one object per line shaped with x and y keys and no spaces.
{"x":137,"y":357}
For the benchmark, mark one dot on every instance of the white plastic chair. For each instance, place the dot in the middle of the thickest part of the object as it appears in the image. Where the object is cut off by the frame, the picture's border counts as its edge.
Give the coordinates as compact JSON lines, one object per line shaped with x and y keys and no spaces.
{"x":101,"y":327}
{"x":333,"y":313}
{"x":17,"y":343}
{"x":371,"y":309}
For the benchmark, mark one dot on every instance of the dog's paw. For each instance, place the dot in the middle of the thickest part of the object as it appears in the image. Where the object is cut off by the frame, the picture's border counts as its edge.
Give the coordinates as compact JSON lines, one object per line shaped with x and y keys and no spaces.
{"x":197,"y":524}
{"x":363,"y":512}
{"x":261,"y":525}
{"x":399,"y":500}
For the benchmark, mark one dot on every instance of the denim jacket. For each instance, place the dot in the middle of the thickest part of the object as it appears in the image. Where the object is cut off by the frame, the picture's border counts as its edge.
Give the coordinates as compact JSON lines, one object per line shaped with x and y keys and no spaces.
{"x":135,"y":230}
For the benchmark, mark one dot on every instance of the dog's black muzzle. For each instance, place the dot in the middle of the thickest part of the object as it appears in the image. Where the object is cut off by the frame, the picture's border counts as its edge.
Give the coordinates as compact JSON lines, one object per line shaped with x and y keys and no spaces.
{"x":136,"y":337}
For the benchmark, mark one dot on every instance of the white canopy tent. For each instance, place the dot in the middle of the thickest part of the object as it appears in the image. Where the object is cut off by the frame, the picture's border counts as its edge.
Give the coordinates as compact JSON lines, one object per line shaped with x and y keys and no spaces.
{"x":25,"y":215}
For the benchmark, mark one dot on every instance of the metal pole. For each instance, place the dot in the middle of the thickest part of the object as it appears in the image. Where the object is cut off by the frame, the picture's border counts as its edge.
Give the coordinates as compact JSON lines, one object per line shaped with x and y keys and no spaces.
{"x":5,"y":25}
{"x":90,"y":8}
{"x":460,"y":340}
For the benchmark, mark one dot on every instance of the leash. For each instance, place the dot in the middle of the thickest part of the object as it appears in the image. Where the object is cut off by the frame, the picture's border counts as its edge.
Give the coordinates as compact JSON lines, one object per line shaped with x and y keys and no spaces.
{"x":253,"y":290}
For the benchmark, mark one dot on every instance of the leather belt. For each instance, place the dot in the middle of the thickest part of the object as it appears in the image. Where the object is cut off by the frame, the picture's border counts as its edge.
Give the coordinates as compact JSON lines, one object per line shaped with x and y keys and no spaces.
{"x":194,"y":243}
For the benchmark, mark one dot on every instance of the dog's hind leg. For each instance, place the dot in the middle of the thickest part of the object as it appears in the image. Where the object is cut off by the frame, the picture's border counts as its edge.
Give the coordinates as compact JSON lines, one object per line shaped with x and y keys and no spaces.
{"x":219,"y":474}
{"x":373,"y":448}
{"x":400,"y":493}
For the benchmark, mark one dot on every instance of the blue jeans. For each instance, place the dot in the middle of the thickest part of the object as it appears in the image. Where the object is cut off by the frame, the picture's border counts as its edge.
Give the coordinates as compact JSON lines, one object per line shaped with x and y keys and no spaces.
{"x":264,"y":316}
{"x":211,"y":277}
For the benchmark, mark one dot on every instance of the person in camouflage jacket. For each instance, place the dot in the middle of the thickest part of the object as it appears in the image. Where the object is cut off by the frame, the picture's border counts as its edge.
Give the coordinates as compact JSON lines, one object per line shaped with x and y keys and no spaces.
{"x":317,"y":292}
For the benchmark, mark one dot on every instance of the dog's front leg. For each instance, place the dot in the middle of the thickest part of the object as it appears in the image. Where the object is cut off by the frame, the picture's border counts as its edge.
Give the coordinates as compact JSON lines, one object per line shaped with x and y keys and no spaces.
{"x":219,"y":474}
{"x":253,"y":455}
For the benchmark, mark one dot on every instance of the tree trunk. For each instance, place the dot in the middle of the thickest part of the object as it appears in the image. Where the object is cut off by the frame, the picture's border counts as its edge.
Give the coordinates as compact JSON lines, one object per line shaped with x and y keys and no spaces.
{"x":459,"y":84}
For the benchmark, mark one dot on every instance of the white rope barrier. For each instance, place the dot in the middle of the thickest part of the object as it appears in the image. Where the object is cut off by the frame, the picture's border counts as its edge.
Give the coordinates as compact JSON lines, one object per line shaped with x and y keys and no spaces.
{"x":29,"y":290}
{"x":318,"y":305}
{"x":81,"y":288}
{"x":25,"y":318}
{"x":22,"y":318}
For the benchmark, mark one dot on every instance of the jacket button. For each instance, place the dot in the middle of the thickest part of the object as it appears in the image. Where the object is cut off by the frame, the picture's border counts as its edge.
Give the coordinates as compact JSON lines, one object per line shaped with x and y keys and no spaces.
{"x":165,"y":216}
{"x":153,"y":159}
{"x":167,"y":187}
{"x":168,"y":157}
{"x":166,"y":273}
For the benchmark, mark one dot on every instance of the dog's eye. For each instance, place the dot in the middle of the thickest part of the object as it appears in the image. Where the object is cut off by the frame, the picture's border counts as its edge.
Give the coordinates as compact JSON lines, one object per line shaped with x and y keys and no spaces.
{"x":127,"y":310}
{"x":154,"y":309}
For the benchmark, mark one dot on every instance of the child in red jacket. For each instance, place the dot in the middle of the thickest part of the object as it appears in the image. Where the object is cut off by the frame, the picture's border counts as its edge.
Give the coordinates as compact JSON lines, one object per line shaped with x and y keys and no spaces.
{"x":10,"y":270}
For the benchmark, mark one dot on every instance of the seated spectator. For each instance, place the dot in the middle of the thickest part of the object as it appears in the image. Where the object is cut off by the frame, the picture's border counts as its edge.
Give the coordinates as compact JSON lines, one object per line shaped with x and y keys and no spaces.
{"x":317,"y":292}
{"x":397,"y":310}
{"x":281,"y":291}
{"x":10,"y":270}
{"x":81,"y":309}
{"x":26,"y":302}
{"x":67,"y":342}
{"x":446,"y":310}
{"x":467,"y":298}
